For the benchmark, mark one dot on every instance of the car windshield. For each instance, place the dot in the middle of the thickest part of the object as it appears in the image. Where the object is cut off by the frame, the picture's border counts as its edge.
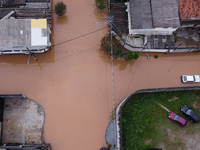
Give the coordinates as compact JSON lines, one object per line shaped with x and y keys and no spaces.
{"x":176,"y":117}
{"x":194,"y":78}
{"x":188,"y":111}
{"x":185,"y":78}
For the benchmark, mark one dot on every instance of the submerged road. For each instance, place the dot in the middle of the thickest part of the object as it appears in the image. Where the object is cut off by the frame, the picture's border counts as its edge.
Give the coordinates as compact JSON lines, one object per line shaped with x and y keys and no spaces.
{"x":73,"y":80}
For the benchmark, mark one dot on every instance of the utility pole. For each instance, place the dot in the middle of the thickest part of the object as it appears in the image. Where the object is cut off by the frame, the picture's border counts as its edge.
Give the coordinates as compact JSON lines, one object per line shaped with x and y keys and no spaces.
{"x":31,"y":54}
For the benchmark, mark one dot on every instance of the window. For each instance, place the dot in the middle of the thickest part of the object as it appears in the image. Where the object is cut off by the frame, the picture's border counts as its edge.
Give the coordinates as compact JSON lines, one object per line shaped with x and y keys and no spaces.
{"x":188,"y":111}
{"x":176,"y":117}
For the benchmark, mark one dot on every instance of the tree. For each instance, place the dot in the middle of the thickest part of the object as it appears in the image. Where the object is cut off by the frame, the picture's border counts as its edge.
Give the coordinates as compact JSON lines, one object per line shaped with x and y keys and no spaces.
{"x":117,"y":48}
{"x":119,"y":53}
{"x":60,"y":9}
{"x":106,"y":45}
{"x":131,"y":55}
{"x":100,"y":4}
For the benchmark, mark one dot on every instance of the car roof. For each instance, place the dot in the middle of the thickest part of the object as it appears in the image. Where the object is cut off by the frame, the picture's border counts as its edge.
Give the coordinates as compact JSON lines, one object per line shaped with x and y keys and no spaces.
{"x":184,"y":108}
{"x":172,"y":114}
{"x":182,"y":120}
{"x":190,"y":78}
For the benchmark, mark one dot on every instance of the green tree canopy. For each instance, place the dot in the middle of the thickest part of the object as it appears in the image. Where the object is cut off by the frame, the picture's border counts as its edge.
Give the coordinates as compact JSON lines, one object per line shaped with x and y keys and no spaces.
{"x":60,"y":9}
{"x":100,"y":4}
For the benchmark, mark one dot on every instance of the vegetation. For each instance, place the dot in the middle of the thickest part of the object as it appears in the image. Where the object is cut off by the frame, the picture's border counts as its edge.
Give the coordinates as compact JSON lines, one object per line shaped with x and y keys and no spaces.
{"x":156,"y":56}
{"x":60,"y":9}
{"x":101,"y":4}
{"x":145,"y":124}
{"x":118,"y":51}
{"x":175,"y":37}
{"x":132,"y":55}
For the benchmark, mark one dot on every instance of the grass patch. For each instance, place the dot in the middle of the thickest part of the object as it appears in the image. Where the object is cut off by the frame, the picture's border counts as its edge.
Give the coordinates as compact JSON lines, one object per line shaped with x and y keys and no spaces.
{"x":146,"y":125}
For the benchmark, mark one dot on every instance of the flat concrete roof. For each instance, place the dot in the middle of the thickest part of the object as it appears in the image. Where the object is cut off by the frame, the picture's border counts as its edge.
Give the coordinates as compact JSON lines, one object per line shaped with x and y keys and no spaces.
{"x":23,"y":32}
{"x":148,"y":14}
{"x":165,"y":13}
{"x":140,"y":12}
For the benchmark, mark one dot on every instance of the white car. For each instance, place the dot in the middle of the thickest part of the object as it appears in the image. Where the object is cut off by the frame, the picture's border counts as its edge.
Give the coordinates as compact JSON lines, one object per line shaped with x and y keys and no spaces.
{"x":190,"y":78}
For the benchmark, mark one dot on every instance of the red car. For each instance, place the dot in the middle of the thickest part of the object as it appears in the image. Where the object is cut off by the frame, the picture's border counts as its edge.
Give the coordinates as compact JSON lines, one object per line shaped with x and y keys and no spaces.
{"x":178,"y":119}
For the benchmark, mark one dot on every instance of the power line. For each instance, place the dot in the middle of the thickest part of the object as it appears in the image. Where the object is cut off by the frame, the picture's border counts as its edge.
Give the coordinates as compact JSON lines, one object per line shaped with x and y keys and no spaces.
{"x":78,"y":37}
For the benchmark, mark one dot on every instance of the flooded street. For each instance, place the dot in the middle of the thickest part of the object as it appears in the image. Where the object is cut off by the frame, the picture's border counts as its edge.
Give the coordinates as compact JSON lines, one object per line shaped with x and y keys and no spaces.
{"x":73,"y":80}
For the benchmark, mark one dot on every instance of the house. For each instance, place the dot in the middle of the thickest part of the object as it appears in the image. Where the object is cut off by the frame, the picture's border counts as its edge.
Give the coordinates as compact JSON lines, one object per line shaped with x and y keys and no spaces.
{"x":158,"y":20}
{"x":189,"y":12}
{"x":25,"y":26}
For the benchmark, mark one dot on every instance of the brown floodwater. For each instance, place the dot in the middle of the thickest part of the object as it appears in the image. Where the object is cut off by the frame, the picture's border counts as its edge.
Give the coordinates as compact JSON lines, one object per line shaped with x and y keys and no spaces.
{"x":73,"y":80}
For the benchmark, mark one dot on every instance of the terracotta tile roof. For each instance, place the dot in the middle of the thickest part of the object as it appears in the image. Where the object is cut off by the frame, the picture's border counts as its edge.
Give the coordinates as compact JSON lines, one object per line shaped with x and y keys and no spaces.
{"x":189,"y":9}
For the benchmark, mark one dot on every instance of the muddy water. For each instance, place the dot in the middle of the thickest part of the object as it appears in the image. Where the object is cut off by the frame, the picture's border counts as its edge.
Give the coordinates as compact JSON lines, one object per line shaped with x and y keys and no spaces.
{"x":72,"y":81}
{"x":165,"y":71}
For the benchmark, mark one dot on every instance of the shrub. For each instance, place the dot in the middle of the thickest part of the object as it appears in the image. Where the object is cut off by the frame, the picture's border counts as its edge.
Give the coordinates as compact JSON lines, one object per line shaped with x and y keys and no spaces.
{"x":100,"y":4}
{"x":106,"y":45}
{"x":119,"y":53}
{"x":156,"y":56}
{"x":131,"y":55}
{"x":60,"y":9}
{"x":117,"y":48}
{"x":175,"y":37}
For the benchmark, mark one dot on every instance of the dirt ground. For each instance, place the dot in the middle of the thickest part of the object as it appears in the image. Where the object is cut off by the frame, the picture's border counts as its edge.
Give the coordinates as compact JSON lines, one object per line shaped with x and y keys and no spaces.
{"x":73,"y":81}
{"x":186,"y":138}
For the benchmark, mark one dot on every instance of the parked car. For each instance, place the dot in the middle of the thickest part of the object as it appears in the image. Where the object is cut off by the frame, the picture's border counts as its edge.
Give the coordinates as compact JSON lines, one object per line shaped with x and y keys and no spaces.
{"x":190,"y":114}
{"x":190,"y":78}
{"x":103,"y":148}
{"x":178,"y":119}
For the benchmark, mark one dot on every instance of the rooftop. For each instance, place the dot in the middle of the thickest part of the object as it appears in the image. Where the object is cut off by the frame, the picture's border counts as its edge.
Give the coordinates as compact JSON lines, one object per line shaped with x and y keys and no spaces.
{"x":165,"y":13}
{"x":147,"y":14}
{"x":189,"y":9}
{"x":118,"y":10}
{"x":8,"y":3}
{"x":160,"y":41}
{"x":141,"y":17}
{"x":23,"y":33}
{"x":25,"y":26}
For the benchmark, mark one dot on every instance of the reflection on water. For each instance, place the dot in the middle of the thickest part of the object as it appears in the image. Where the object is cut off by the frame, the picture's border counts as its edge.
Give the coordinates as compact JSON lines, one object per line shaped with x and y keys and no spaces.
{"x":121,"y":63}
{"x":61,"y":20}
{"x":101,"y":15}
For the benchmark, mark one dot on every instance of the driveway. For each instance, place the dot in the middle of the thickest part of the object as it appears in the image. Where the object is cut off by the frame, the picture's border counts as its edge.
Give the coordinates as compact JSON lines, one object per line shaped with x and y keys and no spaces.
{"x":73,"y":81}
